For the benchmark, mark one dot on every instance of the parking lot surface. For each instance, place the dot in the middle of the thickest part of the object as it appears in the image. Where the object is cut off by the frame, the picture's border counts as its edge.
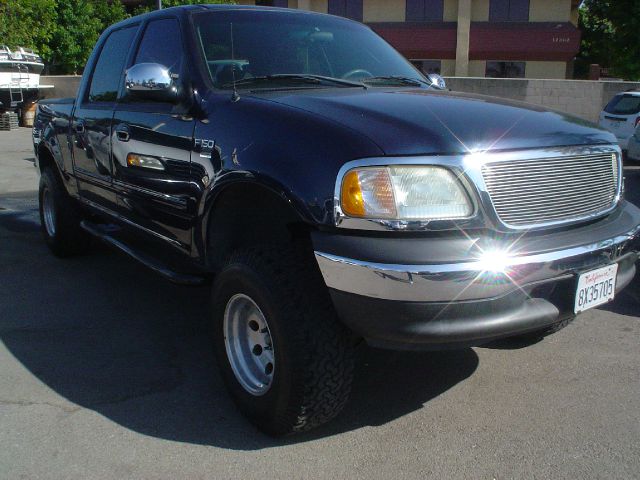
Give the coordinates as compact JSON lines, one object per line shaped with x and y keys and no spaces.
{"x":106,"y":372}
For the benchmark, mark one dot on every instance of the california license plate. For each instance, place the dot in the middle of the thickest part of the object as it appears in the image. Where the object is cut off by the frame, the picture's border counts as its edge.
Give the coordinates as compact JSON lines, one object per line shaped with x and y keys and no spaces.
{"x":596,"y":287}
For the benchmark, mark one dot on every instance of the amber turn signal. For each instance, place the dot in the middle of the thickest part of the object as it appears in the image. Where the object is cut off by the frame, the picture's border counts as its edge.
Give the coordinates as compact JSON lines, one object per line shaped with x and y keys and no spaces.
{"x":143,"y":161}
{"x":351,"y":201}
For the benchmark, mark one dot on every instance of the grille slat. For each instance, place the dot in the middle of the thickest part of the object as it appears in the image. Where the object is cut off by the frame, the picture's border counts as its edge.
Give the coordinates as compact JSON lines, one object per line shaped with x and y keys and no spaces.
{"x":524,"y":176}
{"x":513,"y":207}
{"x":540,"y":194}
{"x":541,"y":189}
{"x":535,"y":192}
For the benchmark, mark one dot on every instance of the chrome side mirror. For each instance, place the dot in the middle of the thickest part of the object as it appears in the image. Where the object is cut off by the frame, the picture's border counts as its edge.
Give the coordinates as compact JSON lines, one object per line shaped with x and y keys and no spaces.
{"x":151,"y":81}
{"x":437,"y":81}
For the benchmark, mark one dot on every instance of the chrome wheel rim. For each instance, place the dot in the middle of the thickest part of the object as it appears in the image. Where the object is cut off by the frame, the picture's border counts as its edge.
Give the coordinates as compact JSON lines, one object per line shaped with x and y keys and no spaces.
{"x":49,"y":213}
{"x":247,"y":339}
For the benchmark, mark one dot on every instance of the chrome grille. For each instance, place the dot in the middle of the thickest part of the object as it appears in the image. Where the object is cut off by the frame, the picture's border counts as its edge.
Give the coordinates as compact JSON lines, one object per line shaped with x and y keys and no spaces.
{"x":541,"y":191}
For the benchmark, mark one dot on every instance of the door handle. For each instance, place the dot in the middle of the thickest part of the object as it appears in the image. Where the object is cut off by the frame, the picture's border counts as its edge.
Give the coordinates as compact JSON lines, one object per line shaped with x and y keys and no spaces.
{"x":122,"y":135}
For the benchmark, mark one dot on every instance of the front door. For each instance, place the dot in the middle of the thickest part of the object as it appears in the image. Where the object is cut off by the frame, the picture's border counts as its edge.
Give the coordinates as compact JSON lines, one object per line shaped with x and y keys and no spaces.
{"x":152,"y":143}
{"x":91,"y":125}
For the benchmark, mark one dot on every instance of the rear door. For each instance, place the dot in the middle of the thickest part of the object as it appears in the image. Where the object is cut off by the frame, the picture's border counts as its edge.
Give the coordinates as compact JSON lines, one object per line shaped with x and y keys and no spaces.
{"x":91,"y":123}
{"x":156,"y":196}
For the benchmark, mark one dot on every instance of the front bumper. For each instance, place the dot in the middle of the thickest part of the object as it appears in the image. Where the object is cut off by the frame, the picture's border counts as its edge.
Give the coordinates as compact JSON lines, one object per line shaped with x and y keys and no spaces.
{"x":471,"y":290}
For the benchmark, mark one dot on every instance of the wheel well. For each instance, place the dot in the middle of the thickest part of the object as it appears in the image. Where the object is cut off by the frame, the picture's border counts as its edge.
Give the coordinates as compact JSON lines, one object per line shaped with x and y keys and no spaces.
{"x":45,"y":159}
{"x":247,"y":215}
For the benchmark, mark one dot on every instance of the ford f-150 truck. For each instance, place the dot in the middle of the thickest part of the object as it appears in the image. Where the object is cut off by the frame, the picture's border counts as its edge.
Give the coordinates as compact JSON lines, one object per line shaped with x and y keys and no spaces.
{"x":331,"y":193}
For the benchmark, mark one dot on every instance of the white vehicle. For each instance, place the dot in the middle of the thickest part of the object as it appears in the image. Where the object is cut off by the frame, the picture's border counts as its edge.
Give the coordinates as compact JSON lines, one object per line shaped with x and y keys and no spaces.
{"x":621,"y":116}
{"x":633,"y":151}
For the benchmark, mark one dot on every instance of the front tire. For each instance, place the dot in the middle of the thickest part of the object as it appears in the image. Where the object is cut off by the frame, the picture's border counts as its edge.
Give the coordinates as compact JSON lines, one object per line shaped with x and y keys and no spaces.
{"x":60,"y":218}
{"x":284,"y":356}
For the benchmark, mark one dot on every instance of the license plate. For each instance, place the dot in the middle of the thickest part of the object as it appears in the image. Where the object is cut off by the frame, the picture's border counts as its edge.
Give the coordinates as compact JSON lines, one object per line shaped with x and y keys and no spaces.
{"x":596,"y":287}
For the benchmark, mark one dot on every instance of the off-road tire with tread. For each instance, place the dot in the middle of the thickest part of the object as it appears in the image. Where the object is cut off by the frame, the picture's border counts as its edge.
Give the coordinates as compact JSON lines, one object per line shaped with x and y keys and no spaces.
{"x":69,"y":239}
{"x":313,"y":350}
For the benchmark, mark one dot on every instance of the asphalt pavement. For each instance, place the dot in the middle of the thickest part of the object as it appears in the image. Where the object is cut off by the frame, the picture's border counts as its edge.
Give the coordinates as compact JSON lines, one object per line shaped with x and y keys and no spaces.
{"x":106,"y":373}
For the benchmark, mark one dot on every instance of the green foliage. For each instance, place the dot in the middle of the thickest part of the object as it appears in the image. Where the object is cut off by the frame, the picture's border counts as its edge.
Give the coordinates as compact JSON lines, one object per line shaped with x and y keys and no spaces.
{"x":149,"y":5}
{"x":611,"y":37}
{"x":28,"y":23}
{"x":76,"y":32}
{"x":64,"y":32}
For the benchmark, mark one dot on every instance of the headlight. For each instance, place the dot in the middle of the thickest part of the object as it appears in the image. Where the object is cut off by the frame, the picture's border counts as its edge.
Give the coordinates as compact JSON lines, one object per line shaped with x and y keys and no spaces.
{"x":404,"y":193}
{"x":4,"y":56}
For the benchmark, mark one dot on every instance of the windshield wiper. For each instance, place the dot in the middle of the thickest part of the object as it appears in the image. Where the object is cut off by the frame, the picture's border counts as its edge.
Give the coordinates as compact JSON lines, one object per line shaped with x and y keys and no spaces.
{"x":298,"y":77}
{"x":395,"y":80}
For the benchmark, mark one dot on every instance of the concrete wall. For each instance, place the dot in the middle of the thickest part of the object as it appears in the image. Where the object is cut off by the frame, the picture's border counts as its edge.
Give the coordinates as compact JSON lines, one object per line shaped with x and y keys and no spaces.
{"x":64,"y":86}
{"x":581,"y":98}
{"x":480,"y":11}
{"x":384,"y":10}
{"x":450,"y":12}
{"x":549,"y":11}
{"x":311,"y":5}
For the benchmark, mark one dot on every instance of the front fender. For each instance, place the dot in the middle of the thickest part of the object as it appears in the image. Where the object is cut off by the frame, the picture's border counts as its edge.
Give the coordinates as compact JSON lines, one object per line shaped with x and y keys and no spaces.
{"x":289,"y":151}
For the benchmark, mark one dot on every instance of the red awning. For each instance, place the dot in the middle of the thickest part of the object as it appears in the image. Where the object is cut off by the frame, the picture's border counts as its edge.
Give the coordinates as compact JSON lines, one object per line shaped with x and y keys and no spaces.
{"x":489,"y":41}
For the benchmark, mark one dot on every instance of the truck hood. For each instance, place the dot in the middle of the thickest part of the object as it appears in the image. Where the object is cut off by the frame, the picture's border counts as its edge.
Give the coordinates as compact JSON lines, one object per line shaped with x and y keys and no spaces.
{"x":421,"y":122}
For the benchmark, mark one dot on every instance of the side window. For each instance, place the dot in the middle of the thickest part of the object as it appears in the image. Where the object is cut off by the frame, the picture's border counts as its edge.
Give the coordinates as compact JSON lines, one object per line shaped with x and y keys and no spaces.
{"x":425,"y":10}
{"x":352,"y":9}
{"x":108,"y":73}
{"x":509,"y":11}
{"x":162,"y":44}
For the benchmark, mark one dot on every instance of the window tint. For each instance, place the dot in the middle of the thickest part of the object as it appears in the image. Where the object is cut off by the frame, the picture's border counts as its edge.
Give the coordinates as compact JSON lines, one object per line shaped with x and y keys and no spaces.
{"x":624,"y":105}
{"x":161,"y":43}
{"x":425,"y":10}
{"x":108,"y":73}
{"x":505,"y":69}
{"x":509,"y":11}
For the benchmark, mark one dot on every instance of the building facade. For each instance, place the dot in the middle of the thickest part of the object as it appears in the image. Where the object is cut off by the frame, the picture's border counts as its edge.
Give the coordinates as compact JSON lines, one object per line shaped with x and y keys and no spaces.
{"x":468,"y":38}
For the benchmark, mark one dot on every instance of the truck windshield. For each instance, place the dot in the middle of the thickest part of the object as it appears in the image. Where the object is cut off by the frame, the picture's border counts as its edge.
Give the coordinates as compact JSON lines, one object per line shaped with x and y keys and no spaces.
{"x":278,"y":48}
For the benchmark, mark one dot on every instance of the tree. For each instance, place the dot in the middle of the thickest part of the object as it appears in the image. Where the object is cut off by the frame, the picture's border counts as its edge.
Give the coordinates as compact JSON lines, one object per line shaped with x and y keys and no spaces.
{"x":27,"y":23}
{"x":149,"y":5}
{"x":77,"y":29}
{"x":108,"y":12}
{"x":64,"y":32}
{"x":610,"y":36}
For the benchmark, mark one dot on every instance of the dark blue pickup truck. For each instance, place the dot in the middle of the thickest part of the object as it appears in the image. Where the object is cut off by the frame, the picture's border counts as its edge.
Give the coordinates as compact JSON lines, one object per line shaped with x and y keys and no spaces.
{"x":332,"y":194}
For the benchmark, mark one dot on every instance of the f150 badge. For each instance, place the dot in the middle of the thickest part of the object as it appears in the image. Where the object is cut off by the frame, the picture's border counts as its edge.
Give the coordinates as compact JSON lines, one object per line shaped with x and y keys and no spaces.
{"x":204,"y":146}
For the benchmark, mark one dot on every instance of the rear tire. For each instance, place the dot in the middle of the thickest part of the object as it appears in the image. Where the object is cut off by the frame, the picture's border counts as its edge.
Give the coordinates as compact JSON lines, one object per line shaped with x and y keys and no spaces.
{"x":308,"y":373}
{"x":60,"y":218}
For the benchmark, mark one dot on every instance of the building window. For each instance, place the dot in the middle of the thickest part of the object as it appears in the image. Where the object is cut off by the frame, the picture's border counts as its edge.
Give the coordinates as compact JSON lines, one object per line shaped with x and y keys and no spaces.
{"x":425,"y":10}
{"x":272,"y":3}
{"x":505,"y":70}
{"x":346,"y":8}
{"x":428,"y":66}
{"x":509,"y":11}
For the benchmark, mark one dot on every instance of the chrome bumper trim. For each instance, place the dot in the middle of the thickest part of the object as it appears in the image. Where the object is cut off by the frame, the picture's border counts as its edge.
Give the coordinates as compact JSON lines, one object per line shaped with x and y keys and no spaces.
{"x":480,"y":279}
